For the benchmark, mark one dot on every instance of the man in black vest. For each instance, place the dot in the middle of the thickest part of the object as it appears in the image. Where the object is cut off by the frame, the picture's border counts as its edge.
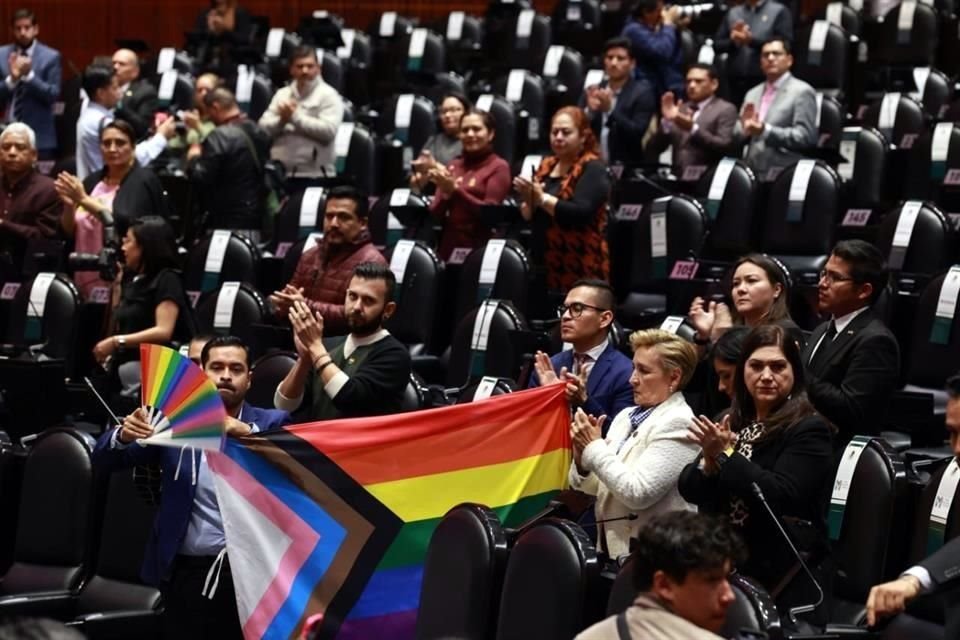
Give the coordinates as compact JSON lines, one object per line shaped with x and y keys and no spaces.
{"x":362,"y":374}
{"x":852,"y":360}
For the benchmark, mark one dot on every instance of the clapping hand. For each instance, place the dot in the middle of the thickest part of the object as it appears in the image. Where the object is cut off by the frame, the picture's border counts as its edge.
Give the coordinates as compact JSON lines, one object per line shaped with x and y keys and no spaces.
{"x":713,"y":438}
{"x":544,"y":369}
{"x":441,"y":176}
{"x":282,"y":300}
{"x":576,"y":387}
{"x":585,"y":429}
{"x":750,"y":120}
{"x":70,"y":188}
{"x":307,"y":326}
{"x":285,"y":109}
{"x":702,"y":316}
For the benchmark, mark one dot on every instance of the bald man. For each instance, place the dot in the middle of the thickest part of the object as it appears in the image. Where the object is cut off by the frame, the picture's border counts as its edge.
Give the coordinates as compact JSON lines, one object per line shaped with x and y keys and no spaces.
{"x":138,"y":98}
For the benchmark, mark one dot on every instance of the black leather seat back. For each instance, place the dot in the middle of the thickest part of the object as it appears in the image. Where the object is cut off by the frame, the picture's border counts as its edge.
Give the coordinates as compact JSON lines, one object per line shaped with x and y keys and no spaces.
{"x":504,"y":114}
{"x":920,"y":529}
{"x":433,"y":59}
{"x":929,"y":363}
{"x":528,"y":53}
{"x":825,"y":68}
{"x":54,"y":525}
{"x":415,"y":395}
{"x":241,"y":258}
{"x":849,"y":18}
{"x":937,"y":93}
{"x":266,"y":374}
{"x":730,"y":217}
{"x":422,"y":123}
{"x":552,"y":567}
{"x":249,"y":308}
{"x":812,"y":233}
{"x":916,"y":48}
{"x":500,"y":387}
{"x":566,"y":82}
{"x":863,"y":549}
{"x":930,"y":247}
{"x":379,"y":221}
{"x":331,"y":70}
{"x":57,"y":328}
{"x":360,"y":165}
{"x":865,"y":184}
{"x":576,"y":23}
{"x":511,"y":282}
{"x":500,"y":358}
{"x":909,"y":120}
{"x":686,"y":225}
{"x":623,"y":591}
{"x":927,"y":179}
{"x":463,"y":575}
{"x":294,"y":222}
{"x":417,"y":295}
{"x":831,"y":122}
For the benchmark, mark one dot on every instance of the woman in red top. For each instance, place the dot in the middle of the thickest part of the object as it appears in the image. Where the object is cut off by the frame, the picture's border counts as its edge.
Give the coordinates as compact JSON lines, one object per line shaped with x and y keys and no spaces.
{"x":476,"y":178}
{"x":566,"y":204}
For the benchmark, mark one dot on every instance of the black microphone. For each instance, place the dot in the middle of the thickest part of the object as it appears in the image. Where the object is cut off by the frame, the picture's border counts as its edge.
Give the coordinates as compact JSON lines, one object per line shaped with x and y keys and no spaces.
{"x":805,"y":608}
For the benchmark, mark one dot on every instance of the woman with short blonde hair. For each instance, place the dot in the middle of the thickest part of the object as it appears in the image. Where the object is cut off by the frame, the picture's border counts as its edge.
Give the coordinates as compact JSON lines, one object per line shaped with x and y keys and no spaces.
{"x":634,"y":470}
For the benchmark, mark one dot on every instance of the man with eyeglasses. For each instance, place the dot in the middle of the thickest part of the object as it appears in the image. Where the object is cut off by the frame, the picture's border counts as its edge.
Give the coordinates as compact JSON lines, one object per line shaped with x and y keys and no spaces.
{"x":596,"y":374}
{"x":852,"y":361}
{"x":779,"y":116}
{"x":323,"y":272}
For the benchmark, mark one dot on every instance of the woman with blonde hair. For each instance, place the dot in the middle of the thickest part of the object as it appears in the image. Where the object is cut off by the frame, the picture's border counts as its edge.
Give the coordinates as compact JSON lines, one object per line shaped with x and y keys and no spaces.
{"x":634,"y":470}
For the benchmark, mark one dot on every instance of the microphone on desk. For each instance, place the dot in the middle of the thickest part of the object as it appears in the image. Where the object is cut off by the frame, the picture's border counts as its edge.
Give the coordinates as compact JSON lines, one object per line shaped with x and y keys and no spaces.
{"x":805,"y":608}
{"x":629,"y":516}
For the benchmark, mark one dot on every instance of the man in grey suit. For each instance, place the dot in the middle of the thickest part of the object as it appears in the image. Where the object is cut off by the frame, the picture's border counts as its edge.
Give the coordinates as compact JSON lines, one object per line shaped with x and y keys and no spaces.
{"x":778,"y":118}
{"x":31,"y":81}
{"x":940,"y":572}
{"x":700,"y":130}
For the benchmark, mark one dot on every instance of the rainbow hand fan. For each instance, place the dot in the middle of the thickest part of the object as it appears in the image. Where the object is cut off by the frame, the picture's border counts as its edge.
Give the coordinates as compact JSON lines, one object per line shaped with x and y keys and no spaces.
{"x":182,"y":404}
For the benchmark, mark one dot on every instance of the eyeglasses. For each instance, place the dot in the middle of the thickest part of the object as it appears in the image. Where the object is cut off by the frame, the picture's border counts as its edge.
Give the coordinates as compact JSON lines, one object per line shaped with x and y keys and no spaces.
{"x":576,"y":309}
{"x":831,"y":277}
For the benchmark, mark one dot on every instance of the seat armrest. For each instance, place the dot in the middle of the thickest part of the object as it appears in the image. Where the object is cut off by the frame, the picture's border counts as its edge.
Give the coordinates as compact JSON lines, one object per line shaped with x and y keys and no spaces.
{"x":49,"y":604}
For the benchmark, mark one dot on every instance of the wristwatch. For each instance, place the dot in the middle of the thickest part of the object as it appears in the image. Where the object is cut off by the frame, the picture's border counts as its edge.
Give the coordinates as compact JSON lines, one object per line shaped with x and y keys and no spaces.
{"x":121,"y":341}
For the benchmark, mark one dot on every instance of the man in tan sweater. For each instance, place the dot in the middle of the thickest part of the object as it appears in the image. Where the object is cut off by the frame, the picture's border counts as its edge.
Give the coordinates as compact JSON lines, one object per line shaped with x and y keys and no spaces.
{"x":680,"y":569}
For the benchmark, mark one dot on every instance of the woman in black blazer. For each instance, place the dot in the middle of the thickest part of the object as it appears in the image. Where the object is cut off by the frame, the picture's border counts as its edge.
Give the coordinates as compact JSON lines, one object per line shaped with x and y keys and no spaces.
{"x":772,"y":437}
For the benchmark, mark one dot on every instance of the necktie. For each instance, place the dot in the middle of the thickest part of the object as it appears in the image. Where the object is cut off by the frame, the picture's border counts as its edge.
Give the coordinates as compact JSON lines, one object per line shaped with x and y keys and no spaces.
{"x":580,"y":361}
{"x":824,"y":348}
{"x":766,"y":100}
{"x":18,"y":93}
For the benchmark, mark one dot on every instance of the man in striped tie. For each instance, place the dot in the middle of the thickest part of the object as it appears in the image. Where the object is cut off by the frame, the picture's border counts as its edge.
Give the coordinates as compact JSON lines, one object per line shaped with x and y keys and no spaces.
{"x":31,"y":82}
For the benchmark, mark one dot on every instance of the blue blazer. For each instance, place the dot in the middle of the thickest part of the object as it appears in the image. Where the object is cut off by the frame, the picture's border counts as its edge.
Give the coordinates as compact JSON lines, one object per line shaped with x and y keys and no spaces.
{"x":176,"y":501}
{"x":608,"y":387}
{"x":42,"y":91}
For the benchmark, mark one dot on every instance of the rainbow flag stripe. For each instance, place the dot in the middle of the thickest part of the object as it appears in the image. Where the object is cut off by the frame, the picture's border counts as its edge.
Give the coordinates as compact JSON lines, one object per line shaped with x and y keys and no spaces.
{"x":336,"y":517}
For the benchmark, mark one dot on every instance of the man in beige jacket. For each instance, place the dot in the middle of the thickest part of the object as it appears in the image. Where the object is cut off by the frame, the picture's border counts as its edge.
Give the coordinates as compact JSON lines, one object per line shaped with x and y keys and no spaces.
{"x":680,"y":570}
{"x":303,"y":119}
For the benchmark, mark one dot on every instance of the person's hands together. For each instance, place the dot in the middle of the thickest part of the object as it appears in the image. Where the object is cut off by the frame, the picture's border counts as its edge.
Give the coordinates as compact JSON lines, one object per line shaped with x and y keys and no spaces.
{"x":307,"y":326}
{"x":576,"y":387}
{"x":585,"y":429}
{"x":702,"y":316}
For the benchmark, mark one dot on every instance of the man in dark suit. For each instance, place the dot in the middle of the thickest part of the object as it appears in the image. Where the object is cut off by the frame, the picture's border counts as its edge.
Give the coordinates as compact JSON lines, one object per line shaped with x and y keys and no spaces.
{"x":31,"y":86}
{"x":138,"y":98}
{"x":940,"y":572}
{"x":700,"y":130}
{"x":597,"y":375}
{"x":620,"y":107}
{"x":188,"y":545}
{"x":852,"y":360}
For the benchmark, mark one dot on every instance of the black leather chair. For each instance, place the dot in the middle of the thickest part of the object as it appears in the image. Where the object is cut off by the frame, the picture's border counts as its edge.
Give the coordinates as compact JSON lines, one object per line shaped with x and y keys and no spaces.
{"x":463,"y":34}
{"x":909,"y":121}
{"x":499,"y":359}
{"x":418,"y":297}
{"x":249,"y":308}
{"x":511,"y":282}
{"x":578,"y":24}
{"x":730,"y":218}
{"x":360,"y":164}
{"x":686,"y":226}
{"x":57,"y":328}
{"x":388,"y":223}
{"x":266,"y":374}
{"x":241,"y":260}
{"x":869,"y":547}
{"x":115,"y":603}
{"x":292,"y":254}
{"x":552,"y":568}
{"x":462,"y":575}
{"x":331,"y":70}
{"x":400,"y":145}
{"x":261,"y":92}
{"x":937,"y":93}
{"x":825,"y":69}
{"x":844,"y":16}
{"x":279,"y":62}
{"x":175,"y":93}
{"x":357,"y":60}
{"x":181,"y":61}
{"x":864,"y":177}
{"x":752,"y":610}
{"x":930,"y":180}
{"x":564,"y":81}
{"x":55,"y":527}
{"x":929,"y":251}
{"x":296,"y":223}
{"x":914,"y":48}
{"x":831,"y":122}
{"x":532,"y":105}
{"x":527,"y":52}
{"x":388,"y":33}
{"x":432,"y":60}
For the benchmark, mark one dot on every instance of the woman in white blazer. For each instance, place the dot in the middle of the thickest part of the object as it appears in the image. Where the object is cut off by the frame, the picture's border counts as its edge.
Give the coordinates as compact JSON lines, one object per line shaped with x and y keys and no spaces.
{"x":634,"y":470}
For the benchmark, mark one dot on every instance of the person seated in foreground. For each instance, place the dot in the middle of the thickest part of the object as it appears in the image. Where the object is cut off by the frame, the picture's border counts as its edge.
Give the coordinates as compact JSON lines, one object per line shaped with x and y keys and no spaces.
{"x":681,"y":567}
